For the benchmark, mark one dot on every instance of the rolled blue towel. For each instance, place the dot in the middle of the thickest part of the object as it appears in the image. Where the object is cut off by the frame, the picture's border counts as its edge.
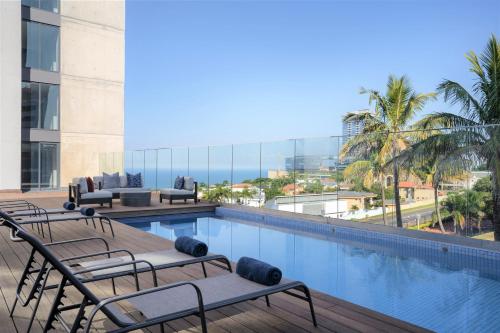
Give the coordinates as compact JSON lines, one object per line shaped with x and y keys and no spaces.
{"x":69,"y":205}
{"x":258,"y":271}
{"x":87,"y":211}
{"x":191,"y":246}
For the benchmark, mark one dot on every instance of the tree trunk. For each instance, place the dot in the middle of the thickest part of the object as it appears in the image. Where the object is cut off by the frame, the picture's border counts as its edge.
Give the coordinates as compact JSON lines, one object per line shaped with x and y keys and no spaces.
{"x":495,"y":177}
{"x":436,"y":206}
{"x":382,"y":185}
{"x":397,"y":199}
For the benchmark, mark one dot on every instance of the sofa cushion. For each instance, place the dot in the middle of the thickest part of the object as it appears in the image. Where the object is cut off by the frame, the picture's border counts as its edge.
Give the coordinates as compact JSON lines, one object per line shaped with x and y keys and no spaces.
{"x":83,"y":185}
{"x":174,"y":191}
{"x":134,"y":181}
{"x":127,"y":189}
{"x":179,"y":183}
{"x":110,"y":181}
{"x":188,"y":183}
{"x":90,"y":184}
{"x":97,"y":180}
{"x":97,"y":195}
{"x":123,"y":181}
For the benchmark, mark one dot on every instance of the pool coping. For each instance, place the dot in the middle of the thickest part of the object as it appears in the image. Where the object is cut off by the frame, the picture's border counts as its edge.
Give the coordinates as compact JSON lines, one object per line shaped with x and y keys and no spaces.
{"x":377,"y":228}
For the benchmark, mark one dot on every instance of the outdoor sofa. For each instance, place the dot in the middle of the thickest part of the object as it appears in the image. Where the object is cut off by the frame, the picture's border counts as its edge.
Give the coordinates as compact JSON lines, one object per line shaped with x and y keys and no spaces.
{"x":103,"y":193}
{"x":188,"y":189}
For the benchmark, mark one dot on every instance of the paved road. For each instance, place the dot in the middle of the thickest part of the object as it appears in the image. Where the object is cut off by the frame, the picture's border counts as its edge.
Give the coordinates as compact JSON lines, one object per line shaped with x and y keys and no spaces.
{"x":409,"y":218}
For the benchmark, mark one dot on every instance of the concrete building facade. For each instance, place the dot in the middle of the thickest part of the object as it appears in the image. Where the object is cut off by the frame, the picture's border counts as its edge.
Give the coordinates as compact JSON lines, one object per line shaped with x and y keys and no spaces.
{"x":66,"y":65}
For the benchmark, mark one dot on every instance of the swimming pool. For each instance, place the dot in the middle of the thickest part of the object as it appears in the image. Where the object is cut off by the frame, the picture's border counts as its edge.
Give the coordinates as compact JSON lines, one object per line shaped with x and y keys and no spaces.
{"x":450,"y":290}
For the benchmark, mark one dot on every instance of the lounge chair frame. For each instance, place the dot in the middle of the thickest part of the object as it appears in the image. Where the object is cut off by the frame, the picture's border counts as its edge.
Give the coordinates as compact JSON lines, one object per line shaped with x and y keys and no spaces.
{"x":45,"y":218}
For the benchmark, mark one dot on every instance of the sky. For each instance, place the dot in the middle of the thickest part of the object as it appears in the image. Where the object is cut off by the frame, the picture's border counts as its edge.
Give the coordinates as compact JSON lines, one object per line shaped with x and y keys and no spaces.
{"x":204,"y":73}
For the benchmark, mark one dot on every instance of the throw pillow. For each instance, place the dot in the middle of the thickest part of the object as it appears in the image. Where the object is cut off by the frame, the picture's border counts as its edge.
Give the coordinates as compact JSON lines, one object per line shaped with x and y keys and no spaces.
{"x":110,"y":181}
{"x":134,"y":180}
{"x":83,"y":185}
{"x":189,"y":183}
{"x":90,"y":184}
{"x":179,"y":183}
{"x":123,"y":181}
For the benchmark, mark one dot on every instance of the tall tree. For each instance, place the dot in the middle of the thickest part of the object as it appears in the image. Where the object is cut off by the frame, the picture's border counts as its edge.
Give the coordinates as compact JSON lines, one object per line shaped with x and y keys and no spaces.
{"x":439,"y":157}
{"x":475,"y":126}
{"x":394,"y":112}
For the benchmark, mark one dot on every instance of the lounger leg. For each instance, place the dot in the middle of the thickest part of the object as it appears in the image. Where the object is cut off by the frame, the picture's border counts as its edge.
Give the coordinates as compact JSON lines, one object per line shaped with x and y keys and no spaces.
{"x":170,"y":201}
{"x":11,"y":313}
{"x":102,"y":227}
{"x":54,"y":308}
{"x":267,"y":301}
{"x":204,"y":269}
{"x":80,"y":316}
{"x":111,"y":204}
{"x":50,"y":231}
{"x":93,"y":222}
{"x":113,"y":285}
{"x":311,"y":306}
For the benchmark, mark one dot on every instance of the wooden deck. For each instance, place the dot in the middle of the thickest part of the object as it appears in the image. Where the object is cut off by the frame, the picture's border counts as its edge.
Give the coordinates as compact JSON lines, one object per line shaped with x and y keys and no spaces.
{"x":286,"y":314}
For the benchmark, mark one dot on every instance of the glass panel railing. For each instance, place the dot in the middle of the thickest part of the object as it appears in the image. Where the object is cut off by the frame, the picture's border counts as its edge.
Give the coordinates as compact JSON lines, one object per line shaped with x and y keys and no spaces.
{"x":198,"y":168}
{"x":219,"y":174}
{"x":150,"y":175}
{"x":246,"y":173}
{"x":444,"y":176}
{"x":277,"y":174}
{"x":164,"y":172}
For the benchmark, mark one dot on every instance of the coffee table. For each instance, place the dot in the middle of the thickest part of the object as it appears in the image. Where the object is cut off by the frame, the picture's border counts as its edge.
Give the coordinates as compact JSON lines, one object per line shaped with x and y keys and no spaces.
{"x":136,"y":198}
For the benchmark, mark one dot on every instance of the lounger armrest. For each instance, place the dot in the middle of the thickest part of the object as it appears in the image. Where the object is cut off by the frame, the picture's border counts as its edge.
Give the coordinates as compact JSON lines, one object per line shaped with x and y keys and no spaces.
{"x":119,"y":298}
{"x":127,"y":263}
{"x":79,"y":240}
{"x":99,"y":254}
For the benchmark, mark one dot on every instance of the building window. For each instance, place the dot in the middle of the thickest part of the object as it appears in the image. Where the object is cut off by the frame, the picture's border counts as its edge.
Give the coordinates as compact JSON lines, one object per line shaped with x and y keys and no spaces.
{"x":49,"y":5}
{"x":40,"y":105}
{"x":39,"y":165}
{"x":40,"y":46}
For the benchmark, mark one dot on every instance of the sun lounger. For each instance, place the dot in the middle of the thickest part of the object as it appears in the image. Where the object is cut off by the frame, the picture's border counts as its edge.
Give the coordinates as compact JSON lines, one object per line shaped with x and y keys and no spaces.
{"x":46,"y":218}
{"x":159,"y":304}
{"x":104,"y":269}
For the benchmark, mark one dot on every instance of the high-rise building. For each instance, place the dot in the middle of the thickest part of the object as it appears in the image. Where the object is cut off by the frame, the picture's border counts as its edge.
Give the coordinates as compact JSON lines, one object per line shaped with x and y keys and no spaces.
{"x":62,"y":68}
{"x":351,"y":128}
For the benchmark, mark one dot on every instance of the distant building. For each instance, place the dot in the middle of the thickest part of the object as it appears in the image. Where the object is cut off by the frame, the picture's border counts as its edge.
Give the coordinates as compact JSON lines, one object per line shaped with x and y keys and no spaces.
{"x":352,"y":128}
{"x":273,"y":174}
{"x":334,"y":204}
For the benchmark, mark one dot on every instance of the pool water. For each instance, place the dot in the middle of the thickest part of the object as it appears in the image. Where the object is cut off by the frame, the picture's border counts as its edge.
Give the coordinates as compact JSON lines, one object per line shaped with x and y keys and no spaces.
{"x":436,"y":295}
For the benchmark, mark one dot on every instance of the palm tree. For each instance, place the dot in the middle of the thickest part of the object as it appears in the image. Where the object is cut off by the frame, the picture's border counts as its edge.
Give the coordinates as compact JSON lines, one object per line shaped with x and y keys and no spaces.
{"x":393,"y":114}
{"x":432,"y":153}
{"x":369,"y":171}
{"x":480,"y":110}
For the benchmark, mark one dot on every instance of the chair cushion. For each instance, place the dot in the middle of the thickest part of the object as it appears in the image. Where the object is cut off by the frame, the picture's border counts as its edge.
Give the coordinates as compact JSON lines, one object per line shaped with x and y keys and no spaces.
{"x":83,"y":185}
{"x":179,"y":183}
{"x":97,"y":195}
{"x":174,"y":191}
{"x":134,"y":180}
{"x":188,"y":183}
{"x":127,"y":189}
{"x":110,"y":181}
{"x":123,"y":181}
{"x":97,"y":180}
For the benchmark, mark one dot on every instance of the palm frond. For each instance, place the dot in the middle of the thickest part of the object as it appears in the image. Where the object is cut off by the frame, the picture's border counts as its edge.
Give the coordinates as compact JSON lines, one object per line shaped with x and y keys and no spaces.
{"x":454,"y":93}
{"x":443,"y":119}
